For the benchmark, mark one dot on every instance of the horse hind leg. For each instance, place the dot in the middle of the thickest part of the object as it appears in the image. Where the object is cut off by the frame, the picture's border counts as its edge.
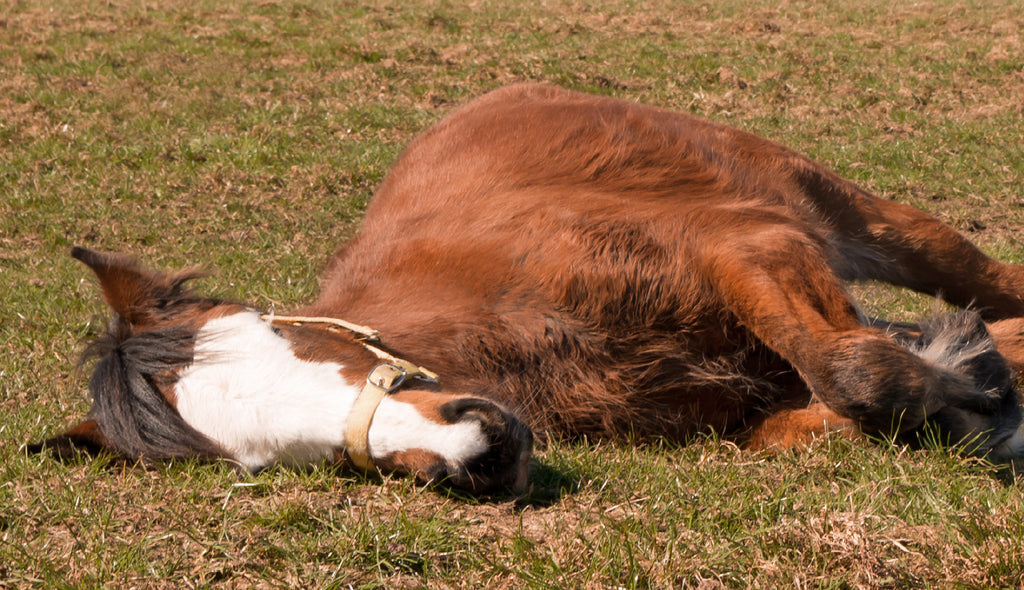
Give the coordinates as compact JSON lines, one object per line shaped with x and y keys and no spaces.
{"x":899,"y":244}
{"x":1009,"y":338}
{"x":799,"y":427}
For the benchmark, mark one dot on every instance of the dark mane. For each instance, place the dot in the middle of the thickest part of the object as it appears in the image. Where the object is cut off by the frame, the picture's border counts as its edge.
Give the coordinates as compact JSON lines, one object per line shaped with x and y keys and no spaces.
{"x":133,"y":414}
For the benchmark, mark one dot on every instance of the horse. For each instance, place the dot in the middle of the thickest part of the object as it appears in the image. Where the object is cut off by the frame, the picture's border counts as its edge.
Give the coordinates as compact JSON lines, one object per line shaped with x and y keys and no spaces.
{"x":577,"y":266}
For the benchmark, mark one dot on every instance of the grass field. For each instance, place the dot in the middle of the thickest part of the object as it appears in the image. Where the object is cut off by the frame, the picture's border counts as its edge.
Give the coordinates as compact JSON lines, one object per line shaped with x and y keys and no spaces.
{"x":248,"y":136}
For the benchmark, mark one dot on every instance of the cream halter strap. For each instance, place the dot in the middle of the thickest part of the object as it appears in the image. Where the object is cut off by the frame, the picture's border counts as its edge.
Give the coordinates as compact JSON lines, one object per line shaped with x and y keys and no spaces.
{"x":385,"y":378}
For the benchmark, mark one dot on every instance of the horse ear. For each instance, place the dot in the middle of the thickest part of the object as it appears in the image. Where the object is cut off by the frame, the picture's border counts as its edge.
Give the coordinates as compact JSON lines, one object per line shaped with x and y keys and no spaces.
{"x":86,"y":437}
{"x":126,"y":286}
{"x":129,"y":289}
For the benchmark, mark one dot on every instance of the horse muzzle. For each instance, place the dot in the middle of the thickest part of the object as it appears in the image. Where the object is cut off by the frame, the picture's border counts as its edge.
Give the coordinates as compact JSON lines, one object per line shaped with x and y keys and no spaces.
{"x":506,"y":461}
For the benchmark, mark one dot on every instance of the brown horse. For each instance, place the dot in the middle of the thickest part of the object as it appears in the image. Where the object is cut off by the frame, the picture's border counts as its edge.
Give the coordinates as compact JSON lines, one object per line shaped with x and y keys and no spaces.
{"x":589,"y":267}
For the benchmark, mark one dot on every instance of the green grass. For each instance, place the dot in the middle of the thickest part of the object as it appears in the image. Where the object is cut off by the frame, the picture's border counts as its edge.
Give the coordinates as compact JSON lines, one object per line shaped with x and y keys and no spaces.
{"x":248,"y":136}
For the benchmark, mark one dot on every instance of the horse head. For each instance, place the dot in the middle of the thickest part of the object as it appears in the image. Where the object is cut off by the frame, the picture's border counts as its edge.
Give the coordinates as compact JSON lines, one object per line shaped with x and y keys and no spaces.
{"x":179,"y":375}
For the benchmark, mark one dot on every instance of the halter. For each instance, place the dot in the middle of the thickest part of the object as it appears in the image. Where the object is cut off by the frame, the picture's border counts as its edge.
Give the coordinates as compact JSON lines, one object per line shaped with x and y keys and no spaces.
{"x":383,"y":379}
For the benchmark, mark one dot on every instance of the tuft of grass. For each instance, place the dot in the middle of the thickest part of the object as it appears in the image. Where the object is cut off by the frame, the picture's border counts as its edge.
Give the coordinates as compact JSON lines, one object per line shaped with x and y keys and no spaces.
{"x":248,"y":136}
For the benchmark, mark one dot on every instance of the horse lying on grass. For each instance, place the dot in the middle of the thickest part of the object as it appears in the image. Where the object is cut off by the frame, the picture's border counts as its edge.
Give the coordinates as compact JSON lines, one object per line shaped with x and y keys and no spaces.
{"x":575,"y":265}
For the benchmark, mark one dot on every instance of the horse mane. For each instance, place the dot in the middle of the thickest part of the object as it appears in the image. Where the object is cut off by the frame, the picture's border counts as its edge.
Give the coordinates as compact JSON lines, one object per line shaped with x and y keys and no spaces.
{"x":133,"y":414}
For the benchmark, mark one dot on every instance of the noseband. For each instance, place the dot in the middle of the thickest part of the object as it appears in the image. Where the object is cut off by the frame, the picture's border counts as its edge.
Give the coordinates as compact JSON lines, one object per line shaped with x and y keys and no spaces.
{"x":385,"y":378}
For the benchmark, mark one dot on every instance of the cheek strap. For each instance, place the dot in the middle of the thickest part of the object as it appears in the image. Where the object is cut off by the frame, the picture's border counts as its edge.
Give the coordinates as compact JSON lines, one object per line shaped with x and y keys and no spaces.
{"x":384,"y":379}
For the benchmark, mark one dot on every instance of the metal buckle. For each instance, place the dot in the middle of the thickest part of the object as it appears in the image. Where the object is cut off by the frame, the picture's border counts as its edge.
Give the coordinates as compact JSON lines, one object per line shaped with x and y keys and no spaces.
{"x":393,"y":378}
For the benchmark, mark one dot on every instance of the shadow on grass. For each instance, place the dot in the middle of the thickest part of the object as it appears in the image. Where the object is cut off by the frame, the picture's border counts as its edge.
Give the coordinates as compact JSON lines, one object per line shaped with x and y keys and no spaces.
{"x":547,"y":485}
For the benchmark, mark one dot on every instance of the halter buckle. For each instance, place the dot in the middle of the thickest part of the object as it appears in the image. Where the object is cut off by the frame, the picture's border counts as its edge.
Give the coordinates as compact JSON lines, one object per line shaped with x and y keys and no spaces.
{"x":387,"y":376}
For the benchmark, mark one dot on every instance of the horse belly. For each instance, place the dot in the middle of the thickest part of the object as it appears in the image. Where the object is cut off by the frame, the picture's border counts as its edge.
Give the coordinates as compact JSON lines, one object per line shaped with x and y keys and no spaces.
{"x":647,"y":384}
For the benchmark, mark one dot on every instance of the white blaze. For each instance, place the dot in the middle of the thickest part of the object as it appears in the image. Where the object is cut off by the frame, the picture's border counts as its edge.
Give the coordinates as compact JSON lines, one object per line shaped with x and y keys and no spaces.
{"x":247,"y":391}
